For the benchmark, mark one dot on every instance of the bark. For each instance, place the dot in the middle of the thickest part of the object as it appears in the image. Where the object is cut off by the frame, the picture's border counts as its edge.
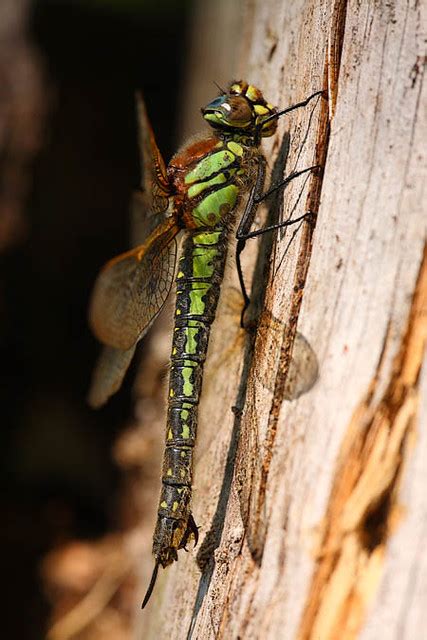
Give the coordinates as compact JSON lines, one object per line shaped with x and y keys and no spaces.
{"x":313,"y":513}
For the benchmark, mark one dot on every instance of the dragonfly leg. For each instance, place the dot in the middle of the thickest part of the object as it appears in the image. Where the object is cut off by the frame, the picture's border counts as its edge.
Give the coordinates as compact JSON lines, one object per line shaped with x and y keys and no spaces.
{"x":308,"y":217}
{"x":293,"y":107}
{"x":244,"y":228}
{"x":298,"y":105}
{"x":243,"y":232}
{"x":286,"y":223}
{"x":192,"y":529}
{"x":256,"y":196}
{"x":286,"y":181}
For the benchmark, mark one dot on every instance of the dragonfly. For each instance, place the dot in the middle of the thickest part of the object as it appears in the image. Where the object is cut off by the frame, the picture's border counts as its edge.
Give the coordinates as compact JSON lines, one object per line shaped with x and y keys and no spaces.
{"x":201,"y":192}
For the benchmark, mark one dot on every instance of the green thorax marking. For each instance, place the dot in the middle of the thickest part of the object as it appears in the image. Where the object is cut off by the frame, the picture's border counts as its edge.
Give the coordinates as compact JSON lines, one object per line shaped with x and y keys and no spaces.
{"x":215,"y":173}
{"x":197,"y":188}
{"x":210,"y":165}
{"x":235,"y":148}
{"x":210,"y":211}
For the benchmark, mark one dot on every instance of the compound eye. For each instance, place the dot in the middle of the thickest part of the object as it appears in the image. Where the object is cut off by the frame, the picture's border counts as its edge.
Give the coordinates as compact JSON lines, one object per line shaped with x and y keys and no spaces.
{"x":237,"y":111}
{"x":217,"y":103}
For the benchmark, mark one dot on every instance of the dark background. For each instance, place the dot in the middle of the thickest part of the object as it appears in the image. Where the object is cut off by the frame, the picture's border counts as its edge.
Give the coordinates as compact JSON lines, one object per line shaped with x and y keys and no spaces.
{"x":57,"y":477}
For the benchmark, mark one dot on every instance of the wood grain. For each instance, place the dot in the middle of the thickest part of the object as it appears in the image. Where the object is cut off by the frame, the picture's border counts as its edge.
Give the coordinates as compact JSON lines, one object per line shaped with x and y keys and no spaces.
{"x":313,"y":513}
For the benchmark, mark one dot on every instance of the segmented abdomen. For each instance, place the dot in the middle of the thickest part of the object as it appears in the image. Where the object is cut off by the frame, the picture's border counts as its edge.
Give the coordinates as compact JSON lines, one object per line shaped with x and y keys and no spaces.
{"x":208,"y":196}
{"x":200,"y":273}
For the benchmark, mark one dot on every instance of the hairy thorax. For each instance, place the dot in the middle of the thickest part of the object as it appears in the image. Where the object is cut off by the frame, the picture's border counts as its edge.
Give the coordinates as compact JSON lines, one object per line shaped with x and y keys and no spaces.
{"x":209,"y":176}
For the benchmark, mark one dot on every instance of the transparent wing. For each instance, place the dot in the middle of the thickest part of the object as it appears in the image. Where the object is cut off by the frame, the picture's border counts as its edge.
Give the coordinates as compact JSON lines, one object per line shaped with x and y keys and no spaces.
{"x":108,"y":374}
{"x":148,"y":206}
{"x":131,"y":289}
{"x":143,"y":220}
{"x":303,"y":369}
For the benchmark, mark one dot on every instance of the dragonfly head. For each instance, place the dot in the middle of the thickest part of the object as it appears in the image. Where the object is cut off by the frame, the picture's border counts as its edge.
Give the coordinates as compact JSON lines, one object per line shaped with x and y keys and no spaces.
{"x":243,"y":110}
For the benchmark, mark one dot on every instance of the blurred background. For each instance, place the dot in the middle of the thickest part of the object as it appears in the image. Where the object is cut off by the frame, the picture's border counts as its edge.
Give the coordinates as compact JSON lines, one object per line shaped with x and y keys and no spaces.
{"x":69,"y":162}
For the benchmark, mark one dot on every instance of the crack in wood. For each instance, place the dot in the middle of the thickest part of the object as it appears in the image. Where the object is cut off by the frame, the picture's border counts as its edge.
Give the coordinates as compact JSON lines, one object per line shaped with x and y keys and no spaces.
{"x":363,"y":507}
{"x":335,"y":44}
{"x":300,"y":276}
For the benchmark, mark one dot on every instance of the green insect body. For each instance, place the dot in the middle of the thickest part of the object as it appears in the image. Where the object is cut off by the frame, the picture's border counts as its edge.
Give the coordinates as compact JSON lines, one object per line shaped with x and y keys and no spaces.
{"x":211,"y":188}
{"x":201,"y":271}
{"x":200,"y":193}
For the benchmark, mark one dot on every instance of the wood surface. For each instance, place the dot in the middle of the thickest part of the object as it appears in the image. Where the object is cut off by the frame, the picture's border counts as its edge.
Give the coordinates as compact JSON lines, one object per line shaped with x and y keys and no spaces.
{"x":313,"y":513}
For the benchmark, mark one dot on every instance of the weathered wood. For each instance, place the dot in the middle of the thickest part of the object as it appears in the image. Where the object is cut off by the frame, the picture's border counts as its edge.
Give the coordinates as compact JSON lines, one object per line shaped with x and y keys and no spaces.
{"x":313,"y":513}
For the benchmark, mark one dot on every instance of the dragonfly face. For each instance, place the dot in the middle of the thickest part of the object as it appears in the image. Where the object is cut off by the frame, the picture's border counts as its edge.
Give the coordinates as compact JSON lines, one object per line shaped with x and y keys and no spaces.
{"x":241,"y":110}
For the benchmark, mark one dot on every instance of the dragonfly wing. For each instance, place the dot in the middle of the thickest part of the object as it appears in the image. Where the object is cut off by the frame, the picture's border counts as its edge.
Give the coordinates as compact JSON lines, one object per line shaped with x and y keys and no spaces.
{"x":108,"y":374}
{"x":148,"y":206}
{"x":131,"y":289}
{"x":143,"y":220}
{"x":303,"y":369}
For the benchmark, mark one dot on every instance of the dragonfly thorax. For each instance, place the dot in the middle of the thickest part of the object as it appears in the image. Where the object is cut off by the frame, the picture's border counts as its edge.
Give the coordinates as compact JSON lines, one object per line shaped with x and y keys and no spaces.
{"x":241,"y":113}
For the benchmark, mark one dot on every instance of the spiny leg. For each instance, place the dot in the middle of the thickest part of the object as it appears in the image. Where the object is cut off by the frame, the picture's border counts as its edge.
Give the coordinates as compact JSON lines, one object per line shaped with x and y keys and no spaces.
{"x":283,"y":183}
{"x":298,"y":105}
{"x":243,"y":234}
{"x":191,"y":530}
{"x":256,"y":196}
{"x":286,"y":223}
{"x":244,"y":227}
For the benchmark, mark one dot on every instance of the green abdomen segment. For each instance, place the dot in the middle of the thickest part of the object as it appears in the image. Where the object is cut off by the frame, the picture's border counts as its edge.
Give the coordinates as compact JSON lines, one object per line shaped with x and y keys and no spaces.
{"x":200,"y":273}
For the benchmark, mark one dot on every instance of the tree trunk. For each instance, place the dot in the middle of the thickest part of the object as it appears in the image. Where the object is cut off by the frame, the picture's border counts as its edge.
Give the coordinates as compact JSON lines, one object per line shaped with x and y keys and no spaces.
{"x":313,"y":513}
